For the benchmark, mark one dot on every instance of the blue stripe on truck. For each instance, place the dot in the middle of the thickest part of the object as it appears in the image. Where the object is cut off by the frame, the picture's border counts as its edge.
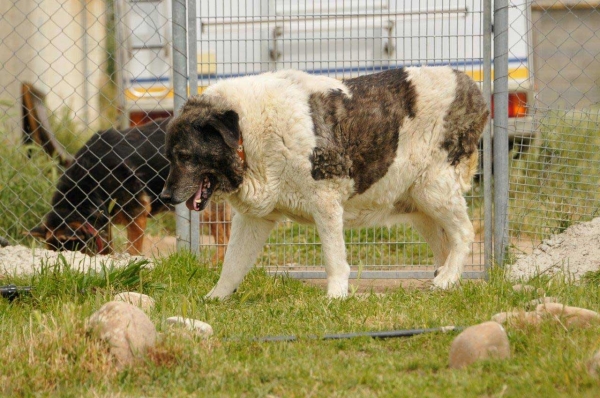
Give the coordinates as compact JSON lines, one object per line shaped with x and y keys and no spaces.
{"x":328,"y":71}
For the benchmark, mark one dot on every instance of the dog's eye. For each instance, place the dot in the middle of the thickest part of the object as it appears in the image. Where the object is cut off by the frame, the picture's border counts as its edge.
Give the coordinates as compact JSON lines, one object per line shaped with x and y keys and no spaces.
{"x":185,"y":157}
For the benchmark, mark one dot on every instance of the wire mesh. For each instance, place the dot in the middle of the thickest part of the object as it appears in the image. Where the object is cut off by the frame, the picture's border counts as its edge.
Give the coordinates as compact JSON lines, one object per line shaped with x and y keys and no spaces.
{"x":344,"y":39}
{"x":75,"y":75}
{"x":554,"y":162}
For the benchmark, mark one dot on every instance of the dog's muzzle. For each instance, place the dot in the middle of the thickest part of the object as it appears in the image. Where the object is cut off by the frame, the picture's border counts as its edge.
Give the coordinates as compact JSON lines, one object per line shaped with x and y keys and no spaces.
{"x":166,"y":195}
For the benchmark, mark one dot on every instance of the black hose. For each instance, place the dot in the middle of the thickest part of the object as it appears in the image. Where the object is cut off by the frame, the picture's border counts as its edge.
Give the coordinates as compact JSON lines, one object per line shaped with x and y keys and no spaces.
{"x":376,"y":335}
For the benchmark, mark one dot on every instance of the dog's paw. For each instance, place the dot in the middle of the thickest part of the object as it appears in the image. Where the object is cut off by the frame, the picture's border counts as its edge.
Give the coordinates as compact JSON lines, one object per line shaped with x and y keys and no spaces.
{"x":218,"y":294}
{"x":337,"y":289}
{"x":445,"y":279}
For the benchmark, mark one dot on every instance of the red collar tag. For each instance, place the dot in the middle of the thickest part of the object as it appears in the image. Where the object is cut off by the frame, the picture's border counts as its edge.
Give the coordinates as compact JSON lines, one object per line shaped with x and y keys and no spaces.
{"x":240,"y":150}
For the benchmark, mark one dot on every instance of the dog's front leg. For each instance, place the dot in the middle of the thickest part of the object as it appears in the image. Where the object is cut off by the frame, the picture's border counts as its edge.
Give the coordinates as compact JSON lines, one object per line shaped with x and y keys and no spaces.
{"x":330,"y":225}
{"x":248,"y":234}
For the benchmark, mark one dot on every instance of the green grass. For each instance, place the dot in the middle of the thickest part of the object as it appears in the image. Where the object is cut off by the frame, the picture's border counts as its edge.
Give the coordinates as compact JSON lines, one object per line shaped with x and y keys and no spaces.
{"x":67,"y":131}
{"x":47,"y":352}
{"x":27,"y":178}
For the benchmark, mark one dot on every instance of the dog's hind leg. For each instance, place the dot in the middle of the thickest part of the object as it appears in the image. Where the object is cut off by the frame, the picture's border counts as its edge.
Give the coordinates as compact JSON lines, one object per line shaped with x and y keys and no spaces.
{"x":248,"y":234}
{"x":442,"y":201}
{"x":433,"y":234}
{"x":220,"y":227}
{"x":138,"y":219}
{"x":330,"y":225}
{"x":135,"y":234}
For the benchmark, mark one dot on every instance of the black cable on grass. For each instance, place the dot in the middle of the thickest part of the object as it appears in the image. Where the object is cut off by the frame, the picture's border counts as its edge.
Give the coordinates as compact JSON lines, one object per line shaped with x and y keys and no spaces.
{"x":12,"y":292}
{"x":391,"y":334}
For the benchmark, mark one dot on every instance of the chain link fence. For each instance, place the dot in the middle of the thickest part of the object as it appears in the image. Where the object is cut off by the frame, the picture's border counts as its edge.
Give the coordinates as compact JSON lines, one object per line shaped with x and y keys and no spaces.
{"x":72,"y":68}
{"x":554,"y":166}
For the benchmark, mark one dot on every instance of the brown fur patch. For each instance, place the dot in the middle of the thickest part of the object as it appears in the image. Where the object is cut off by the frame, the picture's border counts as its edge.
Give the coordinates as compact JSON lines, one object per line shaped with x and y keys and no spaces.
{"x":404,"y":206}
{"x":357,"y":137}
{"x":465,"y":120}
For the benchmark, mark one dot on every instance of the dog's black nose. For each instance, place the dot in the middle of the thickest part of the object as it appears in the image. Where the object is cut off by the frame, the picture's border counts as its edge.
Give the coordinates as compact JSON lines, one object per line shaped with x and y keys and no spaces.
{"x":165,"y":195}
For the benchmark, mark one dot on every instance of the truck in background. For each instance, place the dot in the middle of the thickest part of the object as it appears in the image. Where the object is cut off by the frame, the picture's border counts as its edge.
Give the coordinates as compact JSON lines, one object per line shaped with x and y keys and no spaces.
{"x":340,"y":38}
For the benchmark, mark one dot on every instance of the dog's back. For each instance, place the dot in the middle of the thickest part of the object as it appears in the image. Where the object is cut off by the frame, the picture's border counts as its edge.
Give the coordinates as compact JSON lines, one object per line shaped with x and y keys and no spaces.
{"x":134,"y":157}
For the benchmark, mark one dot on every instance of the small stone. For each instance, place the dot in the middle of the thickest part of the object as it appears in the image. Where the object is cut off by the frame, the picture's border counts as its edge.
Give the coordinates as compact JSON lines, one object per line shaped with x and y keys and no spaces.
{"x":126,"y":328}
{"x":523,"y":288}
{"x":140,"y":300}
{"x":569,"y":316}
{"x":544,"y":247}
{"x":542,"y":300}
{"x":484,"y":341}
{"x":202,"y":329}
{"x":518,"y":318}
{"x":593,"y":365}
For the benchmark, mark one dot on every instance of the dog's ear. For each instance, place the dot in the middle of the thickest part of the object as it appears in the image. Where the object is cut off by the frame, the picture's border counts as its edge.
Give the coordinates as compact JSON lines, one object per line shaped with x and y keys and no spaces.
{"x":38,"y":232}
{"x":227,"y":124}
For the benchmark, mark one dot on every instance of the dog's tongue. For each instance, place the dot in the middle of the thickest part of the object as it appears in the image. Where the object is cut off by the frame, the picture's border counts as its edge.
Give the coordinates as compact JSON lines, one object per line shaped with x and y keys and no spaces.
{"x":199,"y":200}
{"x":191,"y":202}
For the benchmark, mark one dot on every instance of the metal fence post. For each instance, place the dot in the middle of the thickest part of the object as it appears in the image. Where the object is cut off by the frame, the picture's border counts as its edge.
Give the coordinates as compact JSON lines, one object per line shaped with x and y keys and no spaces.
{"x":193,"y":87}
{"x":180,"y":95}
{"x":487,"y":137}
{"x":500,"y":138}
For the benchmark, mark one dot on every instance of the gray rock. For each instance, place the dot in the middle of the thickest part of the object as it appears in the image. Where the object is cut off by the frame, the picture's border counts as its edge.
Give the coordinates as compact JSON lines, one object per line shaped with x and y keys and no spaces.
{"x":569,"y":316}
{"x":518,"y":318}
{"x":200,"y":328}
{"x":593,"y":365}
{"x":126,"y":328}
{"x":542,"y":300}
{"x":484,"y":341}
{"x":139,"y":300}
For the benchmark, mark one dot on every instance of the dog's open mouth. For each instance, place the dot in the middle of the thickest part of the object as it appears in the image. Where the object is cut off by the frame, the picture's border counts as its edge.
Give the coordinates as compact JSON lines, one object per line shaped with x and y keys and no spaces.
{"x":200,"y":199}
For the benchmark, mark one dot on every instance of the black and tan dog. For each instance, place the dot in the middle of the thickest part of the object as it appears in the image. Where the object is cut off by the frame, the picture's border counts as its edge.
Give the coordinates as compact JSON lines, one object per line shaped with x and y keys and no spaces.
{"x":116,"y":178}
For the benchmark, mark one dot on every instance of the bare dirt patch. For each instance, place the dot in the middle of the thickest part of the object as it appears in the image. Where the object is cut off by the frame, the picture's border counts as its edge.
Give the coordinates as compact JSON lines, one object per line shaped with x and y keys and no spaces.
{"x":573,"y":252}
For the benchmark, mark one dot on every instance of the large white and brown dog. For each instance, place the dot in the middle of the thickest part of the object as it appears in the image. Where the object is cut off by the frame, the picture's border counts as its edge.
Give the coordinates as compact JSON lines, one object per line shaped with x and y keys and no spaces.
{"x":396,"y":146}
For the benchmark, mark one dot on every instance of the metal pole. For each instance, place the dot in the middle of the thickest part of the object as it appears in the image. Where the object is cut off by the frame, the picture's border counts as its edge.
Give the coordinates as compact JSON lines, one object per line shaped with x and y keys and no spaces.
{"x":84,"y":66}
{"x":487,"y":138}
{"x":500,"y":129}
{"x":119,"y":76}
{"x":193,"y":82}
{"x":180,"y":95}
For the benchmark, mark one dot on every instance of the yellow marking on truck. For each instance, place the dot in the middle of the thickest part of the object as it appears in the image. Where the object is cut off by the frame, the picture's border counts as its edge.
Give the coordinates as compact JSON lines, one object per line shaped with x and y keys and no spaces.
{"x":133,"y":94}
